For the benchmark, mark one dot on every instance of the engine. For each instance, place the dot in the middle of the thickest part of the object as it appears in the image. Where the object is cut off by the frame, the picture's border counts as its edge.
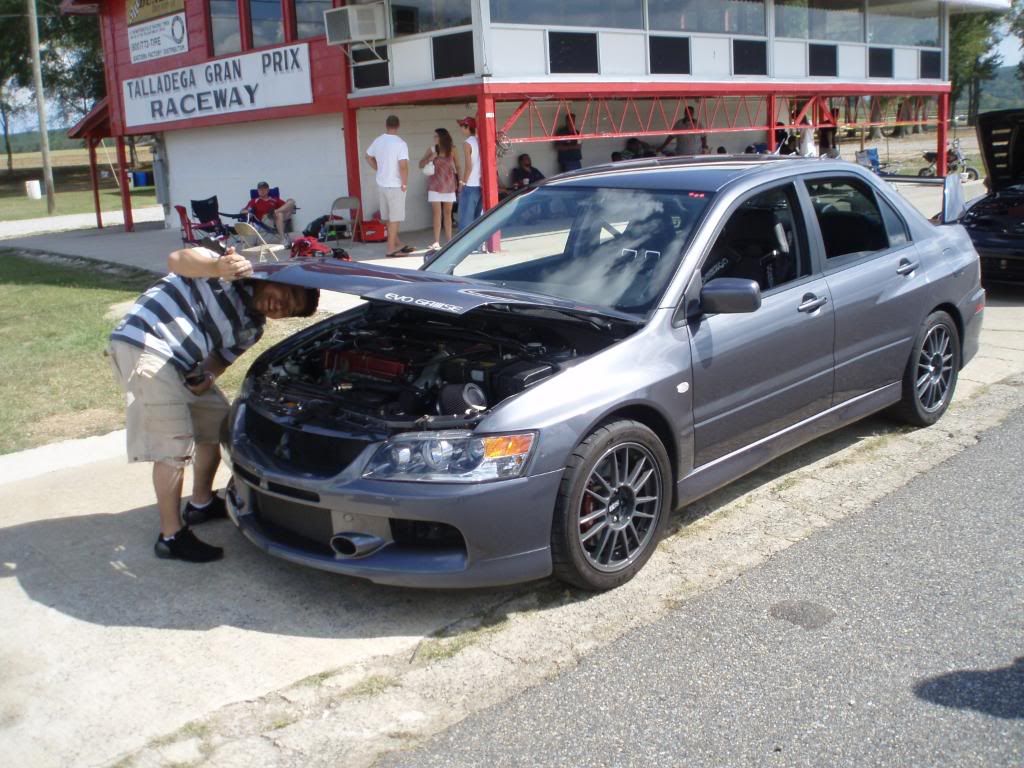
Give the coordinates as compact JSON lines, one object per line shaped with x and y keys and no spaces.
{"x":401,"y":368}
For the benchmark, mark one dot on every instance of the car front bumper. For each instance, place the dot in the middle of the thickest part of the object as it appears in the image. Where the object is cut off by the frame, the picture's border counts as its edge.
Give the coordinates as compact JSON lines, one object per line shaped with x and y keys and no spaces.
{"x":505,"y":526}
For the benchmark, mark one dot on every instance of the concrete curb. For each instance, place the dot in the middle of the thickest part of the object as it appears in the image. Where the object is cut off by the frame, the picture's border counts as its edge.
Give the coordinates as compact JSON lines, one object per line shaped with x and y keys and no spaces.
{"x":54,"y":457}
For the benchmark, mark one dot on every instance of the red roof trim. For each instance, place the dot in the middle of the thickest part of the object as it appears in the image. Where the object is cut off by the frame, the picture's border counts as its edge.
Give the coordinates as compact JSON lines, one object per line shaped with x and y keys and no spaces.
{"x":95,"y":125}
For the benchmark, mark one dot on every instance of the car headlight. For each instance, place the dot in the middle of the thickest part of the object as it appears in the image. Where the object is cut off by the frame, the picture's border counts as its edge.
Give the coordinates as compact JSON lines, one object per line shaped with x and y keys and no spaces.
{"x":451,"y":457}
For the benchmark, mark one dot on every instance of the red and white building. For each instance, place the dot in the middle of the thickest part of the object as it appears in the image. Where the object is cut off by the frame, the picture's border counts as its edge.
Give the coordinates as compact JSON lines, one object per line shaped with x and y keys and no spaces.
{"x":237,"y":91}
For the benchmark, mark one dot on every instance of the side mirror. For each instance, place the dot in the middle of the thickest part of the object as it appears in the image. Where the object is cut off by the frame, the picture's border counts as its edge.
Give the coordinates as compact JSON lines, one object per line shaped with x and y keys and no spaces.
{"x":730,"y":295}
{"x":953,"y":207}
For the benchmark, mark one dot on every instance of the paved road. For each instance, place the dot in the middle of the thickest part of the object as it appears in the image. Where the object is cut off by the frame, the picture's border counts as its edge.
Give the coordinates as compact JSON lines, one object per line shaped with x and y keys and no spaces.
{"x":892,"y":638}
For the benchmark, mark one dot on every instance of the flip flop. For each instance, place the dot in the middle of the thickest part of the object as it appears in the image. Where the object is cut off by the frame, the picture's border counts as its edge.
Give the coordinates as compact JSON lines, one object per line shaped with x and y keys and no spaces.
{"x":392,"y":255}
{"x":405,"y":249}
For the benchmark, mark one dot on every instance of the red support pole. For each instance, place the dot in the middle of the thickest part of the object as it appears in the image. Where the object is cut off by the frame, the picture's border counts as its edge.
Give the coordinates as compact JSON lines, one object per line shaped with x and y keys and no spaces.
{"x":126,"y":198}
{"x":940,"y":163}
{"x":487,"y":137}
{"x":771,"y":123}
{"x":353,"y":162}
{"x":94,"y":175}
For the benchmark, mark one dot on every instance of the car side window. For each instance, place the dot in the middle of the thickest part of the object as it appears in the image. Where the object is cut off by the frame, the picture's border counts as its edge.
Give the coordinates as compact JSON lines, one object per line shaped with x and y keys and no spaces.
{"x":763,"y":240}
{"x":848,"y":217}
{"x":894,"y":224}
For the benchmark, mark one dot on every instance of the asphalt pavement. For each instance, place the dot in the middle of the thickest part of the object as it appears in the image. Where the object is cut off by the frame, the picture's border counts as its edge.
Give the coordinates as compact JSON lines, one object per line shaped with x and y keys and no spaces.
{"x":893,"y":638}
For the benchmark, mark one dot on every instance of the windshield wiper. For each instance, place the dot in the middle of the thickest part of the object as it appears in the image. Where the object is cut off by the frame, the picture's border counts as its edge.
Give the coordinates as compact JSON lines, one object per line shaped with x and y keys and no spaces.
{"x":599,"y":320}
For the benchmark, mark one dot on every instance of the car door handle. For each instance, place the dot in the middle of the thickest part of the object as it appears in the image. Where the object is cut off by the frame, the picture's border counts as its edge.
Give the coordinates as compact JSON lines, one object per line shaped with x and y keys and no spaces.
{"x":811,"y":302}
{"x":906,"y":267}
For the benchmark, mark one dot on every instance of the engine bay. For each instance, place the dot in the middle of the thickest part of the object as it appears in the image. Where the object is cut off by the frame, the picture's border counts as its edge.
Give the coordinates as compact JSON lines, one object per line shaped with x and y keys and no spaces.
{"x":401,"y":368}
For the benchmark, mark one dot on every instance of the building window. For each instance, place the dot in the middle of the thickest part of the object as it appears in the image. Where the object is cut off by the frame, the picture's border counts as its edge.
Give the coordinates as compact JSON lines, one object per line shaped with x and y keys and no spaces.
{"x":931,"y":65}
{"x":822,"y":60}
{"x":740,"y":17}
{"x":670,"y":55}
{"x":410,"y":17}
{"x":309,"y":18}
{"x":897,"y":22}
{"x":837,"y":20}
{"x":572,"y":52}
{"x":749,"y":57}
{"x":618,"y":14}
{"x":453,"y":55}
{"x":370,"y":67}
{"x":267,"y":22}
{"x":880,"y":62}
{"x":224,"y":26}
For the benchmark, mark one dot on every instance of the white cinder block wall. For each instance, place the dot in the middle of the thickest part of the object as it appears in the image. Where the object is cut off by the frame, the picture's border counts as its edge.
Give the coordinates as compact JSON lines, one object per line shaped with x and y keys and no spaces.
{"x":303,"y":156}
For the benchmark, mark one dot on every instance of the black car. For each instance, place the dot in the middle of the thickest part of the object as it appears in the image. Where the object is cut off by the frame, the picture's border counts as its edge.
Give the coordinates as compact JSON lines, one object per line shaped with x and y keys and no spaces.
{"x":995,"y":221}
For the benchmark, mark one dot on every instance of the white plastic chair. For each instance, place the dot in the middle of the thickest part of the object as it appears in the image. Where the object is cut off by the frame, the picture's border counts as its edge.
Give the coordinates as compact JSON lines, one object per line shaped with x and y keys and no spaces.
{"x":254,"y":244}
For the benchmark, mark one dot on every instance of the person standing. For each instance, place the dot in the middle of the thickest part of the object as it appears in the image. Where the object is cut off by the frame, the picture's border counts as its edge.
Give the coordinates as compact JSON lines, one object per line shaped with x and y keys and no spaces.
{"x":388,"y":155}
{"x":570,"y":151}
{"x":687,"y":143}
{"x":470,"y":200}
{"x":442,"y":183}
{"x":166,"y":353}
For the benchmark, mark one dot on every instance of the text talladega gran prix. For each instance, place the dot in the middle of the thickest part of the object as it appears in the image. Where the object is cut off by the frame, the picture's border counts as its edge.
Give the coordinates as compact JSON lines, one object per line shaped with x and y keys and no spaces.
{"x":173,"y":95}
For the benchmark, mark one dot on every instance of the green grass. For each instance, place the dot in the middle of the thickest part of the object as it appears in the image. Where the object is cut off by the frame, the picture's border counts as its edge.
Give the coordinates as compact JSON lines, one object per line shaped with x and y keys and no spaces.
{"x":55,"y":383}
{"x":73,"y":186}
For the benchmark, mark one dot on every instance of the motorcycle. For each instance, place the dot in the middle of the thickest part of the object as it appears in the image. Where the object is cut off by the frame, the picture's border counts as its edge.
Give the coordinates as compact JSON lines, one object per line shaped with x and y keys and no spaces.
{"x":956,"y":162}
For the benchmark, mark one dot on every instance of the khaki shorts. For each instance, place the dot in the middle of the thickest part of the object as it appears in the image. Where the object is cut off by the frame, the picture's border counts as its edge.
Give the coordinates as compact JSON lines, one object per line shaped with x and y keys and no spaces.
{"x":392,"y":204}
{"x":164,"y":419}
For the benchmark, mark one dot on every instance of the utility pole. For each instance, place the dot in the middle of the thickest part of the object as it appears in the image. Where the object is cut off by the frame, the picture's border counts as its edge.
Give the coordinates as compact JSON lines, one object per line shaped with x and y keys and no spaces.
{"x":44,"y":136}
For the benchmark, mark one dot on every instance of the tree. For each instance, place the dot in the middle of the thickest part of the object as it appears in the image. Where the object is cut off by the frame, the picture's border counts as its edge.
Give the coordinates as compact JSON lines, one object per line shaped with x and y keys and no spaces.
{"x":73,"y":58}
{"x":973,"y":60}
{"x":14,"y":101}
{"x":15,"y":69}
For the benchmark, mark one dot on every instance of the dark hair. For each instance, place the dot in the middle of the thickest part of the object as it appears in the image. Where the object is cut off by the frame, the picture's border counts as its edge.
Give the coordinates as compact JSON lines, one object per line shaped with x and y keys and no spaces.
{"x":721,"y":151}
{"x":263,"y":185}
{"x":519,"y":160}
{"x":392,"y":121}
{"x":444,"y":141}
{"x":616,"y":157}
{"x":311,"y":303}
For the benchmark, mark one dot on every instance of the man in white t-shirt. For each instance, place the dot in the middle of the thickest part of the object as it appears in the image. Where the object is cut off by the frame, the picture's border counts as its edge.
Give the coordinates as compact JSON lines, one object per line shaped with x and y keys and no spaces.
{"x":388,"y":155}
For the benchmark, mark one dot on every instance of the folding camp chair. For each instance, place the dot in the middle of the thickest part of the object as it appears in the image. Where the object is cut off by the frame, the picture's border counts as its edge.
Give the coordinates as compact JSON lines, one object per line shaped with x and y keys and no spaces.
{"x":869,"y":159}
{"x":254,"y":246}
{"x":207,"y":216}
{"x":346,"y":215}
{"x":191,"y":231}
{"x":251,"y":218}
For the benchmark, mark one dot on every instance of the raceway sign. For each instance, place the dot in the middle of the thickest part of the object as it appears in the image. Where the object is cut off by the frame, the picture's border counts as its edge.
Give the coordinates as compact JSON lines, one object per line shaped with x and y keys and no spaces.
{"x":278,"y":77}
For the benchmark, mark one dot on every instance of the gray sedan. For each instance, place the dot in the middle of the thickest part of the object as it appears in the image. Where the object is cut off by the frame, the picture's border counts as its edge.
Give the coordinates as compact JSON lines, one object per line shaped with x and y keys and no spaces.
{"x":598,"y":351}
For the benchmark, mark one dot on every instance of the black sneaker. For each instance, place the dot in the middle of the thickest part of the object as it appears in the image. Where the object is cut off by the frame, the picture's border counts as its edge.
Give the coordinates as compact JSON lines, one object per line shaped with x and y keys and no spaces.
{"x":185,"y":546}
{"x":215,"y":510}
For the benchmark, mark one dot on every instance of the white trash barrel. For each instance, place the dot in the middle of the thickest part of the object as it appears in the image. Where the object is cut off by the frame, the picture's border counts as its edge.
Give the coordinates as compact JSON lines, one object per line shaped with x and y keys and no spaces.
{"x":33,"y":189}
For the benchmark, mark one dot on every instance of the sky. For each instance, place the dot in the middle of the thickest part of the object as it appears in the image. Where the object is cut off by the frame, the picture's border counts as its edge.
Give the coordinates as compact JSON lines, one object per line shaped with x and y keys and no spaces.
{"x":1010,"y":48}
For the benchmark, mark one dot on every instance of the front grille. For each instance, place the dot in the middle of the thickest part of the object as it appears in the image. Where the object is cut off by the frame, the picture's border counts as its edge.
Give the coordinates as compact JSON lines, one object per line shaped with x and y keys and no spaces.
{"x":307,"y":452}
{"x":422,"y":534}
{"x":294,"y":525}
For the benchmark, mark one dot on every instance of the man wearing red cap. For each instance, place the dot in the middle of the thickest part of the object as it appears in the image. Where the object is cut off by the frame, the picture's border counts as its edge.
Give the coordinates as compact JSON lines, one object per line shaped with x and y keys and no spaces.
{"x":470,"y":200}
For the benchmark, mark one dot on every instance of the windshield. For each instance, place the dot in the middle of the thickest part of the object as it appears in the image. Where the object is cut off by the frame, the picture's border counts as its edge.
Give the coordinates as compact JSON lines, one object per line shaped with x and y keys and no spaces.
{"x":612,"y":248}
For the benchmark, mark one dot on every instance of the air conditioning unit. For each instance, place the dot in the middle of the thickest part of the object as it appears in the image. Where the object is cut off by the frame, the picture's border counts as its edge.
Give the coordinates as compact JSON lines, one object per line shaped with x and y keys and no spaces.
{"x":355,"y":23}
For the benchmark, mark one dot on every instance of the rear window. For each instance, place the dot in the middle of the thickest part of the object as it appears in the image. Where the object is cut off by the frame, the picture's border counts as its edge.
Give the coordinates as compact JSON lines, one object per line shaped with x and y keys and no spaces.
{"x":848,"y":217}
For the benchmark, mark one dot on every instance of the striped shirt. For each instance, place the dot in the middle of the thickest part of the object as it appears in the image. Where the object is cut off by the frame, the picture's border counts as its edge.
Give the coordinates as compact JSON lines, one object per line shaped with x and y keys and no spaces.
{"x":183,"y":320}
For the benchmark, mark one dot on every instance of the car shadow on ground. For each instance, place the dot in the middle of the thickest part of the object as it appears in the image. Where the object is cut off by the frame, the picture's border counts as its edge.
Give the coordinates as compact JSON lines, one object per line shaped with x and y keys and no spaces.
{"x":996,"y":692}
{"x":101,"y":569}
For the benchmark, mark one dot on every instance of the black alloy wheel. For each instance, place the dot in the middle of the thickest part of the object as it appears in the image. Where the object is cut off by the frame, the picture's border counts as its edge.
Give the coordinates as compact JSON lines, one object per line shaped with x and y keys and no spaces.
{"x":929,"y":380}
{"x":612,"y":506}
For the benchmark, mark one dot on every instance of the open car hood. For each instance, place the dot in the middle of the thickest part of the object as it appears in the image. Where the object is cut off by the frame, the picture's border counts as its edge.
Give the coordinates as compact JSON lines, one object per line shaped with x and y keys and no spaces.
{"x":1001,"y":138}
{"x":419,"y":289}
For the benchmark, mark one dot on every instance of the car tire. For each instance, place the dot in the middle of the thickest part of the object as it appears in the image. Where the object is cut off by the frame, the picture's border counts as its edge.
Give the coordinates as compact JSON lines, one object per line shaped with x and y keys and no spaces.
{"x":926,"y":173}
{"x":972,"y":173}
{"x":929,"y":380}
{"x":620,"y":478}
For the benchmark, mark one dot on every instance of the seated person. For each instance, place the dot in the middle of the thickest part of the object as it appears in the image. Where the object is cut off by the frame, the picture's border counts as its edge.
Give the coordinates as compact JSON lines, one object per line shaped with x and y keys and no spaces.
{"x":272,"y":211}
{"x":524,"y":174}
{"x":721,"y":151}
{"x":636,"y":148}
{"x":617,"y":157}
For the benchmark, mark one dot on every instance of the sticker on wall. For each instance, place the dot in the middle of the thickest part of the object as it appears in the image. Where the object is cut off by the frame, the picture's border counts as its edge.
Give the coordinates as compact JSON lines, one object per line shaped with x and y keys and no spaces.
{"x":166,"y":36}
{"x":278,"y":77}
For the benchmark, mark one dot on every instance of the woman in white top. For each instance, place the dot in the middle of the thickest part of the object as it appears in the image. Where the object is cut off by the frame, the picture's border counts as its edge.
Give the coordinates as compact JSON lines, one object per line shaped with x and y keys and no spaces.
{"x":469,"y":185}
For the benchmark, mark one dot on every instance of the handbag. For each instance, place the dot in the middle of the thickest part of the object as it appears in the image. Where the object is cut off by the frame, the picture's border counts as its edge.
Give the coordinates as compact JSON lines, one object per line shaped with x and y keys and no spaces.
{"x":428,"y":169}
